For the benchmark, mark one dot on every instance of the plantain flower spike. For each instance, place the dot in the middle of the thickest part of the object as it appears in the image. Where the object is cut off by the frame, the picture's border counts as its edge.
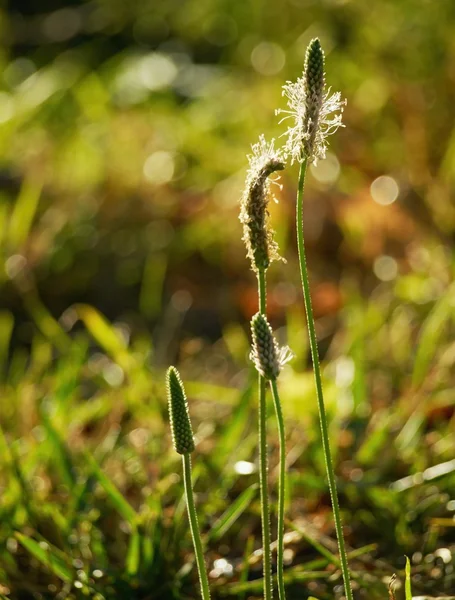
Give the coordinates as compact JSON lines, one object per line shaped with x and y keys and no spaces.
{"x":257,"y":233}
{"x":267,"y":356}
{"x":182,"y":432}
{"x":316,"y":113}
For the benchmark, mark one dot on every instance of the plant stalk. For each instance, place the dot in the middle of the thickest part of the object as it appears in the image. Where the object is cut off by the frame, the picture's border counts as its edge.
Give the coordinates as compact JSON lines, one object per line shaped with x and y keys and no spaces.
{"x":318,"y":382}
{"x":195,"y":533}
{"x":263,"y":462}
{"x":281,"y":488}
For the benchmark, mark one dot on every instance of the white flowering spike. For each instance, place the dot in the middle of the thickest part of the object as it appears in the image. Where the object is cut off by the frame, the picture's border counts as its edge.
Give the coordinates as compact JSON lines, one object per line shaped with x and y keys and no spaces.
{"x":316,"y":113}
{"x":257,"y":233}
{"x":267,"y":356}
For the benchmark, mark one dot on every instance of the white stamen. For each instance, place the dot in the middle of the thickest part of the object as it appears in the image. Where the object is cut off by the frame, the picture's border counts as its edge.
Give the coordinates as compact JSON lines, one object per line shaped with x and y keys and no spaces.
{"x":328,"y":122}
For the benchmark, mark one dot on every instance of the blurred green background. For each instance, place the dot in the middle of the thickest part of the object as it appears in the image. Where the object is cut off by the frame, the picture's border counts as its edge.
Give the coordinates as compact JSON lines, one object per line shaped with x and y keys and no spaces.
{"x":124,"y":130}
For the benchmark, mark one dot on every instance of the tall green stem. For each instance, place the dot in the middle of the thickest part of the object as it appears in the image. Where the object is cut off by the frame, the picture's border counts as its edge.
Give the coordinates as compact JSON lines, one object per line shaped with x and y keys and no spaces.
{"x":263,"y":466}
{"x":281,"y":488}
{"x":318,"y":381}
{"x":203,"y":579}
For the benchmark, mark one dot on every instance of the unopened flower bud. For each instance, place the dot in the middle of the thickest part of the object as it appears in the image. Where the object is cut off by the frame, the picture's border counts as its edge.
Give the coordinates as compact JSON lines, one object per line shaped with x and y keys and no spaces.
{"x":182,"y":433}
{"x":314,"y":82}
{"x":267,"y":356}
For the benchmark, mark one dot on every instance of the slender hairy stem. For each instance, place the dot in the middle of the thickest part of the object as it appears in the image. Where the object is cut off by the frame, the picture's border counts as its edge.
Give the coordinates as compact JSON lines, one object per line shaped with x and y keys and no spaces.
{"x":203,"y":579}
{"x":262,"y":293}
{"x":318,"y":381}
{"x":263,"y":467}
{"x":281,"y":488}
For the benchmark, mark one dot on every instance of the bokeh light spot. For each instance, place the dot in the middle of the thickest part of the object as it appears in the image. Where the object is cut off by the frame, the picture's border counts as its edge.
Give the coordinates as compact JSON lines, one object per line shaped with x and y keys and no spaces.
{"x":268,"y":58}
{"x":138,"y":75}
{"x":14,"y":265}
{"x":139,"y":437}
{"x":285,"y":293}
{"x":18,"y":71}
{"x":113,"y":374}
{"x":157,"y":71}
{"x":385,"y":268}
{"x":243,"y":467}
{"x":159,"y":167}
{"x":371,"y":95}
{"x":384,"y":190}
{"x":344,"y":372}
{"x":97,"y":573}
{"x":221,"y":567}
{"x":182,"y":300}
{"x":327,"y":170}
{"x":445,"y":554}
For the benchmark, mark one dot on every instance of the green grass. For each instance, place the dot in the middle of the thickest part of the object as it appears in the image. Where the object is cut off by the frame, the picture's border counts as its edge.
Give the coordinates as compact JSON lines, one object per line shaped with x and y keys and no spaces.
{"x":91,"y":502}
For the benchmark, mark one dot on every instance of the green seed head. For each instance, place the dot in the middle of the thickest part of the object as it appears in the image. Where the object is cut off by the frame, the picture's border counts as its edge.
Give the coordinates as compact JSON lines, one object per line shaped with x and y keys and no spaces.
{"x":314,"y":82}
{"x":267,"y":356}
{"x":314,"y":69}
{"x":182,"y":433}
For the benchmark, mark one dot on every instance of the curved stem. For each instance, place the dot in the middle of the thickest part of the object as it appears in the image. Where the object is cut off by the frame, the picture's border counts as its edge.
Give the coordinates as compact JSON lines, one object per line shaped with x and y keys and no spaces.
{"x":318,"y":381}
{"x":281,"y":488}
{"x":263,"y":463}
{"x":195,"y":533}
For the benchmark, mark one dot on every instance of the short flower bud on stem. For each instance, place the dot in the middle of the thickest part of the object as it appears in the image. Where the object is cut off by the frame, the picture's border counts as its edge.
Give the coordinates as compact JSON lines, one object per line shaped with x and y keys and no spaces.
{"x":269,"y":359}
{"x":267,"y":356}
{"x":182,"y":432}
{"x":182,"y":436}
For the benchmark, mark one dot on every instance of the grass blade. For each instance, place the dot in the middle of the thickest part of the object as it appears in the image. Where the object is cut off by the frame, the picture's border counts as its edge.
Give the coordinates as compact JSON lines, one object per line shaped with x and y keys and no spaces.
{"x":246,"y":565}
{"x":105,"y":335}
{"x":59,"y":452}
{"x":407,"y":585}
{"x":223,"y":524}
{"x":123,"y":507}
{"x":48,"y":556}
{"x":430,"y":335}
{"x":24,"y":212}
{"x":6,"y":329}
{"x":233,"y":431}
{"x":134,"y":554}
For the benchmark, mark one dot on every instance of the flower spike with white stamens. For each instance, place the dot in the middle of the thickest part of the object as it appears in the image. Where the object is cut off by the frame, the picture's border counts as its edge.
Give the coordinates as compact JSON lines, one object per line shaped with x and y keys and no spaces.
{"x":257,"y":233}
{"x":316,"y":113}
{"x":268,"y":357}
